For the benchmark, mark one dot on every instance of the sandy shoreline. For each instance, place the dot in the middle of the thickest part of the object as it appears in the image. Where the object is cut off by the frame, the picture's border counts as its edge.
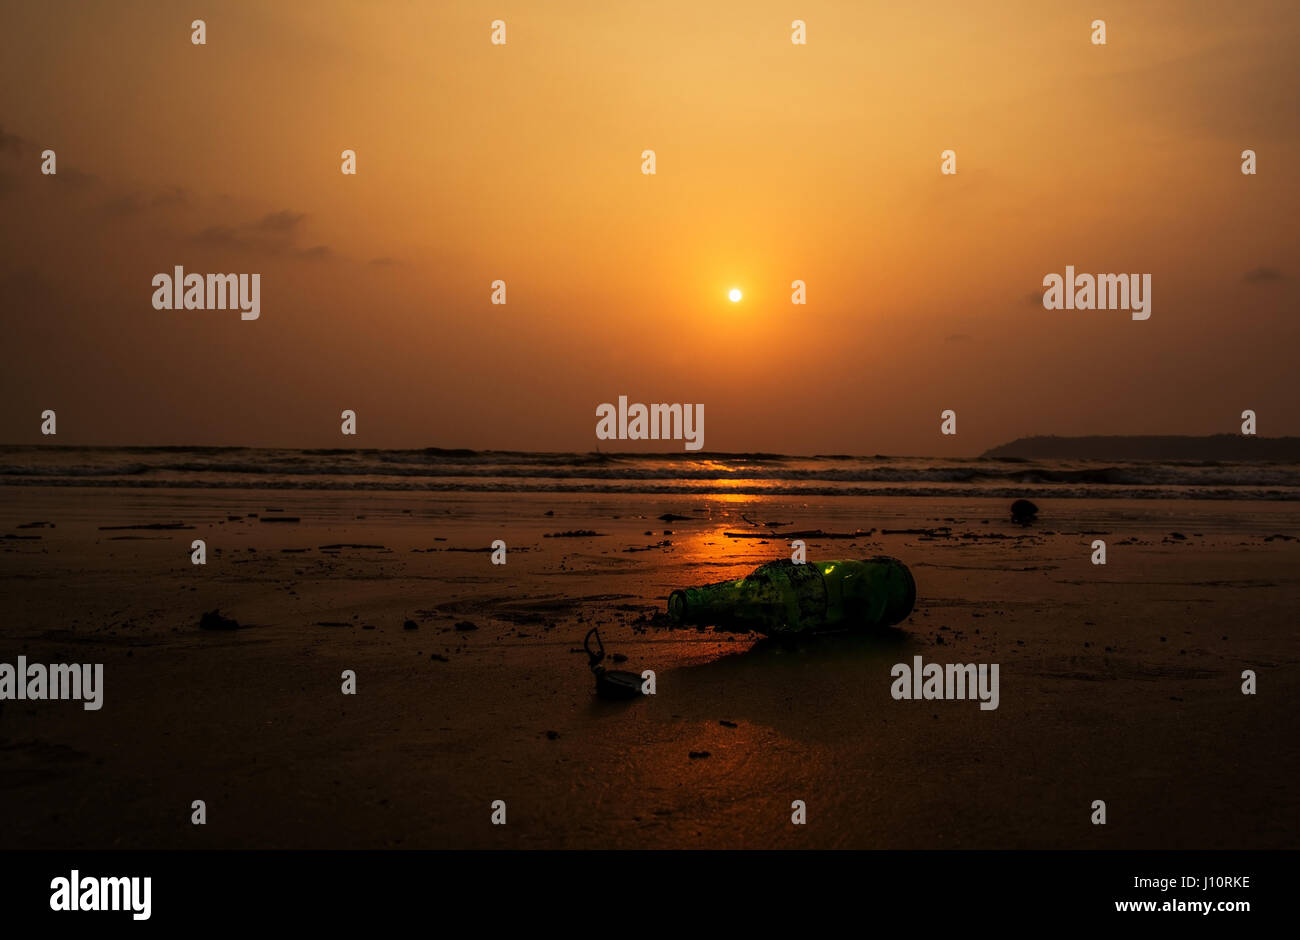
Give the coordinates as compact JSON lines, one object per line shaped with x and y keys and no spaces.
{"x":1118,"y":683}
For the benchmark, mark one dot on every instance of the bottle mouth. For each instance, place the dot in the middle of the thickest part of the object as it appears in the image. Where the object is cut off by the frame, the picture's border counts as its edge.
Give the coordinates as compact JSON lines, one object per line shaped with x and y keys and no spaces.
{"x":909,"y":598}
{"x":677,"y":606}
{"x":903,"y":610}
{"x":909,"y":603}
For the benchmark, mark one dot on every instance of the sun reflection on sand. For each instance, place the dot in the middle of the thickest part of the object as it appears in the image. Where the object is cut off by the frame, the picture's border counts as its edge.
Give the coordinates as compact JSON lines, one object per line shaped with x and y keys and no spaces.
{"x":710,"y":545}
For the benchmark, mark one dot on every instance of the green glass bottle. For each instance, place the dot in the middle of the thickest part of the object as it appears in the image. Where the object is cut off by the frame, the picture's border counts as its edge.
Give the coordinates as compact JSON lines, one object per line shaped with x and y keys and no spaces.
{"x":783,"y":598}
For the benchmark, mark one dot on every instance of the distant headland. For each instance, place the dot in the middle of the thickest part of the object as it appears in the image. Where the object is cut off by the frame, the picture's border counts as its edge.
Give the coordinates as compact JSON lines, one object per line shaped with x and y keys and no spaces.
{"x":1227,"y":447}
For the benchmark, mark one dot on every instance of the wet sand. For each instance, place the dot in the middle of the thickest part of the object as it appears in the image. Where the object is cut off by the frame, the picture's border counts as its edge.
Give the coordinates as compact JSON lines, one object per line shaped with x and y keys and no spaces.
{"x":1120,"y":683}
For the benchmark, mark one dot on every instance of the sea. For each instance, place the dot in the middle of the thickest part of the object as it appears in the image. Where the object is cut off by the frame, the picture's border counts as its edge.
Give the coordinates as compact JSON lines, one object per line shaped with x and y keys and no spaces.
{"x":442,"y":470}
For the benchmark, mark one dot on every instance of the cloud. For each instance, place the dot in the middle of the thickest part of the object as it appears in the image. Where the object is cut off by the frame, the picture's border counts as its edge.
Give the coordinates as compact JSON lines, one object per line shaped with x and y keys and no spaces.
{"x":282,"y":222}
{"x":17,"y":146}
{"x":219,"y":235}
{"x":74,"y":178}
{"x":1263,"y":275}
{"x":273,"y":234}
{"x":278,"y":233}
{"x":173,"y":196}
{"x":12,"y":143}
{"x":1240,"y":88}
{"x":125,"y":204}
{"x":25,"y":288}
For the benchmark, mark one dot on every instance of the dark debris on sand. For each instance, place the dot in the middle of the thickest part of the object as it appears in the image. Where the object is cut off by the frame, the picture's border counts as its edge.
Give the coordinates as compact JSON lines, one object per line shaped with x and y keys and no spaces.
{"x":213,"y":620}
{"x":153,"y":526}
{"x":1023,"y":512}
{"x":813,"y":534}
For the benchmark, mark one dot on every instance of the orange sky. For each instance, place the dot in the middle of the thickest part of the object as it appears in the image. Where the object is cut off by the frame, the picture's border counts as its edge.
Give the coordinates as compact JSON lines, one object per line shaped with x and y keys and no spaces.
{"x":522,"y":162}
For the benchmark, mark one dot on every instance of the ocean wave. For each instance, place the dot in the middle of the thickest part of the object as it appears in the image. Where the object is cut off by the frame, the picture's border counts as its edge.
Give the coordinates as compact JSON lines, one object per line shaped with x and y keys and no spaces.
{"x":704,"y":489}
{"x":437,"y":469}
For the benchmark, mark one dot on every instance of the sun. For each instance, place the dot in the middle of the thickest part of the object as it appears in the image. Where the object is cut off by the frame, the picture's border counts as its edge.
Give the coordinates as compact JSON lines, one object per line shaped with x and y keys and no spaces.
{"x":735,"y":295}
